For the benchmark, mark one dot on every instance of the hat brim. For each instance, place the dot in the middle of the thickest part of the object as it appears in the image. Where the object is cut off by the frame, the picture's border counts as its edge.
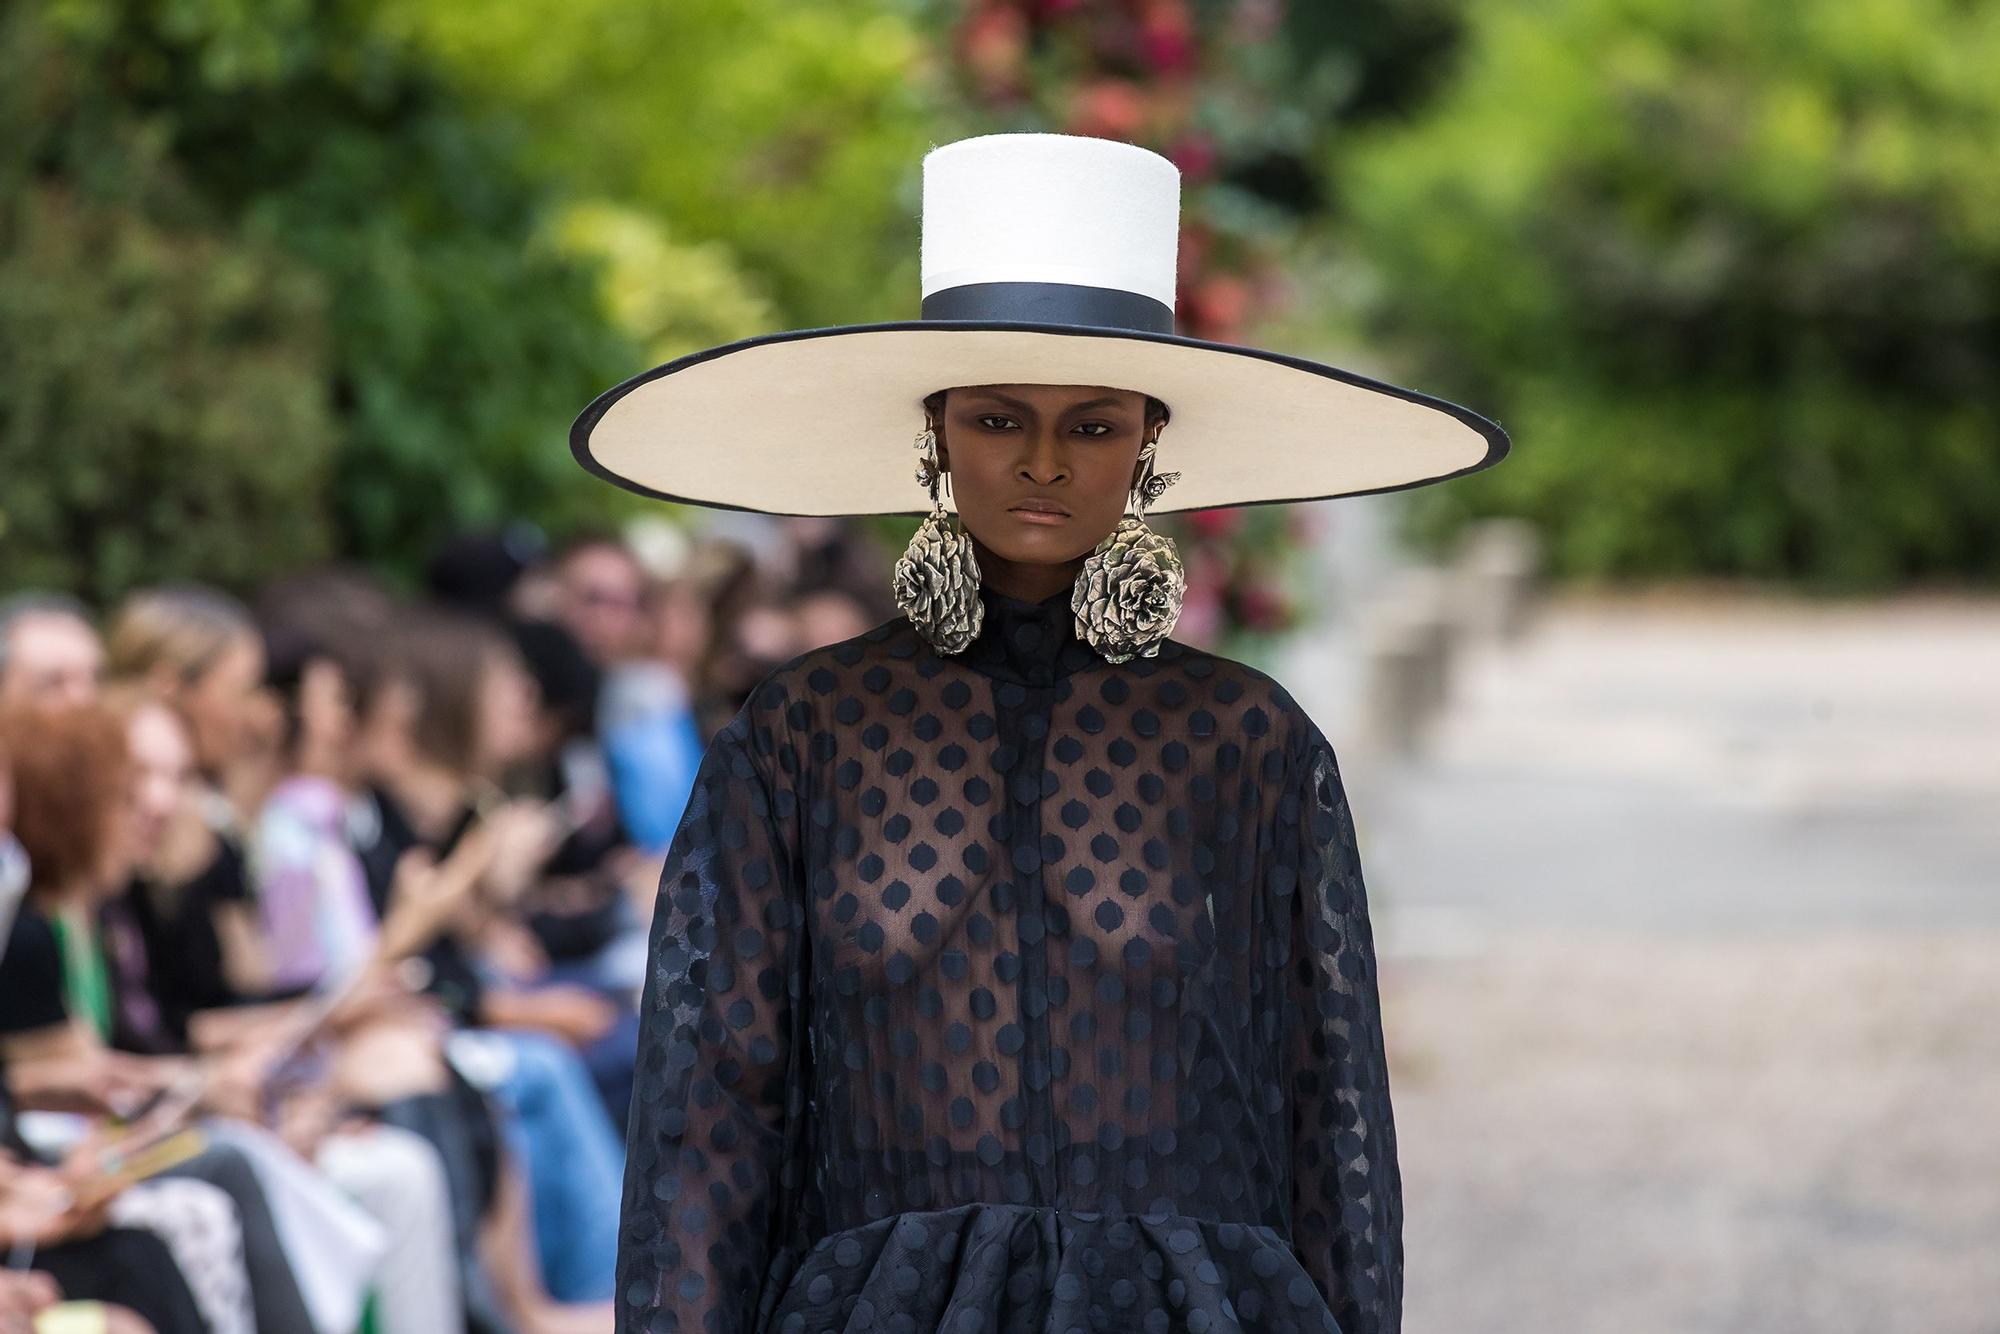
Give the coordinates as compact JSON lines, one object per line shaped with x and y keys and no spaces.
{"x":821,"y":421}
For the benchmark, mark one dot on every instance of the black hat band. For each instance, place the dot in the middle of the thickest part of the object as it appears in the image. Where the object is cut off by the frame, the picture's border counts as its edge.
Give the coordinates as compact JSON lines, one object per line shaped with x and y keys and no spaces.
{"x":1051,"y":303}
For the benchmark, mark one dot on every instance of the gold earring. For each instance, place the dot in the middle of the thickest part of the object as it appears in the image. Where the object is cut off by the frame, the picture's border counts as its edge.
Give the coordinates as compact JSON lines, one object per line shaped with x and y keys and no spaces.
{"x":1128,"y":595}
{"x":936,"y":579}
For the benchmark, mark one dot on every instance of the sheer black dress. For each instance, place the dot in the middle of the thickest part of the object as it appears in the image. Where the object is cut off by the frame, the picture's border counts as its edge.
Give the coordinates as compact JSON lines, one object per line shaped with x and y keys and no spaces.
{"x":1009,"y":991}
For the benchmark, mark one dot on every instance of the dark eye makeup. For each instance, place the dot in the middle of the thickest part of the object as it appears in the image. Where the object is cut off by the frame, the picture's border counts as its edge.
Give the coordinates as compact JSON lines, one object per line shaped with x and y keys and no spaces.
{"x":986,"y":419}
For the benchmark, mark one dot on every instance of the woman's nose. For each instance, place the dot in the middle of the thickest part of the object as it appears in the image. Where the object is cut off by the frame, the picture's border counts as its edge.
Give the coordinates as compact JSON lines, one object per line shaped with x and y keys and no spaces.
{"x":1044,"y":461}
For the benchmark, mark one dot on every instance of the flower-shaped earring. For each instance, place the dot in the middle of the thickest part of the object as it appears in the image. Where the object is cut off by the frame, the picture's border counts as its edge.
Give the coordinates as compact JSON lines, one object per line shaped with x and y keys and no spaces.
{"x":1128,"y":594}
{"x":936,"y":579}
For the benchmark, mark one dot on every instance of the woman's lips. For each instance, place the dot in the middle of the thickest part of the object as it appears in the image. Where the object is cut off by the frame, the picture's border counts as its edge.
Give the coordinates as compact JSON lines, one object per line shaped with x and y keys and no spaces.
{"x":1042,"y":514}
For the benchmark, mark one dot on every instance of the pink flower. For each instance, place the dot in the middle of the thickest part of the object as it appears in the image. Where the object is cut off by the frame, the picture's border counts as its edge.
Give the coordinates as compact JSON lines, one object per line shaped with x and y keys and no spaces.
{"x":1194,"y":153}
{"x":1215,"y":523}
{"x":1166,"y":41}
{"x":1221,"y":304}
{"x":1110,"y":109}
{"x":993,"y":48}
{"x":1259,"y":607}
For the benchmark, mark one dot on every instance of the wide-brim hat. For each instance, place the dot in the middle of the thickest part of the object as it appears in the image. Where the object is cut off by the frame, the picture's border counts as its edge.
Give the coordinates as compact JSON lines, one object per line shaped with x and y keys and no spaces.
{"x":1046,"y":259}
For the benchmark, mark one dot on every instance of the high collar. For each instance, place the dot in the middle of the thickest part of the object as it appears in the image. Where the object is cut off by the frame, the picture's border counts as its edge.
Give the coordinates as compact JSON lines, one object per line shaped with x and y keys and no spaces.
{"x":1029,"y":643}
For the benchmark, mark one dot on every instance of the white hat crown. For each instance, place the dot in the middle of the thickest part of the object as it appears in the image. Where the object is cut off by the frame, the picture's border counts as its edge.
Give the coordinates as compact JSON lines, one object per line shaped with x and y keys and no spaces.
{"x":1050,"y":226}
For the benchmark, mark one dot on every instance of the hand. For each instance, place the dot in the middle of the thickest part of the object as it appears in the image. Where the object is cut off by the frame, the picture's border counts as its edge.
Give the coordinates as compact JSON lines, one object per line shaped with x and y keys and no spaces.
{"x":42,"y":1205}
{"x":235,"y":1082}
{"x":306,"y":1118}
{"x":514,"y":949}
{"x":575,"y":1013}
{"x":525,"y":835}
{"x":128,"y":1081}
{"x":377,"y":993}
{"x":424,"y":898}
{"x":22,"y":1295}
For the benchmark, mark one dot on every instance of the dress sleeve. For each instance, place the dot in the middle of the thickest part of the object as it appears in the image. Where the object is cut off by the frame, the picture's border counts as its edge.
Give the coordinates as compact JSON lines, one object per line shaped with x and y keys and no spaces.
{"x":713,"y":1160}
{"x":1347,"y":1193}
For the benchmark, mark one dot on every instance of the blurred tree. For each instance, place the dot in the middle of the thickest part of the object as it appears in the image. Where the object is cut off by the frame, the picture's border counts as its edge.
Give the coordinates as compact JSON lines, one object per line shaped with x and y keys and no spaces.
{"x":738,"y":166}
{"x":1366,"y":60}
{"x":783,"y":140}
{"x":457,"y":342}
{"x":163,"y":391}
{"x":164,"y":407}
{"x":670,"y":297}
{"x":1730,"y":271}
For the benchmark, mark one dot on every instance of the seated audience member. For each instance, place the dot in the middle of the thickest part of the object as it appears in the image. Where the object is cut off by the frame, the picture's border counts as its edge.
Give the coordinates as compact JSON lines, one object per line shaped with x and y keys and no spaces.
{"x":393,"y":1173}
{"x":581,"y":905}
{"x":452,"y":715}
{"x":80,"y":1260}
{"x":69,"y":774}
{"x":312,"y":626}
{"x":198,"y":651}
{"x":49,"y":654}
{"x":644,"y":717}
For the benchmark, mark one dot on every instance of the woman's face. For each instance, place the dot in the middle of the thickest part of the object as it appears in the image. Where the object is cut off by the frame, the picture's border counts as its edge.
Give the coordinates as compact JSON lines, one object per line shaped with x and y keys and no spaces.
{"x":385,"y":743}
{"x":509,"y":702}
{"x":225,"y":707}
{"x":162,"y":770}
{"x":1074,"y":449}
{"x":327,"y":722}
{"x":681,"y":625}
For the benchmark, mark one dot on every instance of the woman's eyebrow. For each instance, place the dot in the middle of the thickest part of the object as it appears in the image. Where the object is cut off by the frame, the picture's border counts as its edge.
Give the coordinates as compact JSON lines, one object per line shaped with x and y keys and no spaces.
{"x":1029,"y":408}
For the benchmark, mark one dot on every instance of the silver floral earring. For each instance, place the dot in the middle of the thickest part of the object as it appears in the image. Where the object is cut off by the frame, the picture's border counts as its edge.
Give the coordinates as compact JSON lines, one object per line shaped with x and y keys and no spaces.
{"x":936,"y":580}
{"x":1128,"y":594}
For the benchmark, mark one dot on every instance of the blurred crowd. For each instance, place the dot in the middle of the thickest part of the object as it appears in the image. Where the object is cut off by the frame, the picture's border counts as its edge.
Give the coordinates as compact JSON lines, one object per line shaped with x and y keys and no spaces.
{"x":325,"y":921}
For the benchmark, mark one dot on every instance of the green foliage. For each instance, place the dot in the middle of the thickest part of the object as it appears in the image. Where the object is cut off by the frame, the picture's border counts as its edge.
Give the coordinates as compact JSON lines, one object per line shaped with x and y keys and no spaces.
{"x":1727,"y":269}
{"x":786,"y":136}
{"x":163,"y":405}
{"x":450,"y":342}
{"x":164,"y":413}
{"x":671,"y":297}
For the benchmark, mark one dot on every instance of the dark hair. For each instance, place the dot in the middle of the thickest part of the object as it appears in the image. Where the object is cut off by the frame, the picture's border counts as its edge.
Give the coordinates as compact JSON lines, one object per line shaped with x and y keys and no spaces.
{"x":568,"y":679}
{"x":478,"y":571}
{"x":444,"y":655}
{"x":333,"y":614}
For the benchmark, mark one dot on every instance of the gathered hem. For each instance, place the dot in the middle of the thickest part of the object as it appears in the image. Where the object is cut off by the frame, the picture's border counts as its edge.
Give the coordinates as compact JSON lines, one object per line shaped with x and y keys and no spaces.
{"x":995,"y":1268}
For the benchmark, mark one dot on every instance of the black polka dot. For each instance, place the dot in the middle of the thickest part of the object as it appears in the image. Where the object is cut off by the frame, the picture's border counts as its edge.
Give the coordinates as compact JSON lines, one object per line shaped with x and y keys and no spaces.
{"x":1012,"y":982}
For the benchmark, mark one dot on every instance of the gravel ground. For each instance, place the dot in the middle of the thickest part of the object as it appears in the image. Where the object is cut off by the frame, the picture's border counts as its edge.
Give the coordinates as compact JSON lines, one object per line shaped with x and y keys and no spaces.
{"x":1690,"y":921}
{"x":1616,"y":1133}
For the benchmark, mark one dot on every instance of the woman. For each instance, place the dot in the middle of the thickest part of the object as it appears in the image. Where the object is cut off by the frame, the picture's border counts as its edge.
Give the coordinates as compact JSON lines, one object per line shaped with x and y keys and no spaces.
{"x":394,"y":1174}
{"x":200,"y":652}
{"x":129,"y":1275}
{"x":70,"y":771}
{"x":454,"y":716}
{"x":1012,"y":967}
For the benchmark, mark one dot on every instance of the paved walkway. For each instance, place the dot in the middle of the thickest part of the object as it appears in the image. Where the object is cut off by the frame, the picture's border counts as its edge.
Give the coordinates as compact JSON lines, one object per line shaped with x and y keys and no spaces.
{"x":1690,"y":919}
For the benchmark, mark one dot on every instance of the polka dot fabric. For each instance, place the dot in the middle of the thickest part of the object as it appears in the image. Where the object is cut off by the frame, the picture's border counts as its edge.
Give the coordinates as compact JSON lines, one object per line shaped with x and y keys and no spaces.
{"x":1012,"y":991}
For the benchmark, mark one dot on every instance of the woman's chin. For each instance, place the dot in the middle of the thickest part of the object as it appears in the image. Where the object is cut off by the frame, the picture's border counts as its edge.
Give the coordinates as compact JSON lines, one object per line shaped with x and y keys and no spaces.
{"x":1032,"y":543}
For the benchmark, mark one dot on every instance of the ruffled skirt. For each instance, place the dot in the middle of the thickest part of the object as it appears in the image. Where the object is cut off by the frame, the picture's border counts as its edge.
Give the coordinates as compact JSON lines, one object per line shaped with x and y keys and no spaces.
{"x":1023,"y":1269}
